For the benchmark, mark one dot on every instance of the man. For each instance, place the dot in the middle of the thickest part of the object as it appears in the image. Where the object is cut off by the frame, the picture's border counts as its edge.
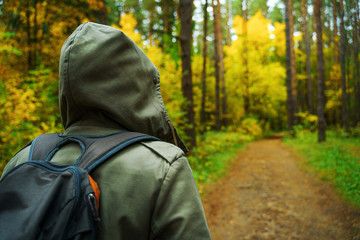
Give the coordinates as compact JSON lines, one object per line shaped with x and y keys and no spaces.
{"x":107,"y":85}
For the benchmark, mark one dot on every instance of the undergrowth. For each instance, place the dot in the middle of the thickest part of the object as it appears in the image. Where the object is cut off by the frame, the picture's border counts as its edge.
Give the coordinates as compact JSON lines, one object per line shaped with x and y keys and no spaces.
{"x":336,"y":160}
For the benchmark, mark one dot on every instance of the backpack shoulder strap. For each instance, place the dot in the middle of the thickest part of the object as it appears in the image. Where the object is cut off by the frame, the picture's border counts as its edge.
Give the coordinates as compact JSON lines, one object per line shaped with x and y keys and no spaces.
{"x":95,"y":149}
{"x":42,"y":145}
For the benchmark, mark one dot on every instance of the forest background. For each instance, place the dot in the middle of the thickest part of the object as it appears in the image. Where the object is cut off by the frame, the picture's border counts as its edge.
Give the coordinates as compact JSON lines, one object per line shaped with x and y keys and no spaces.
{"x":231,"y":70}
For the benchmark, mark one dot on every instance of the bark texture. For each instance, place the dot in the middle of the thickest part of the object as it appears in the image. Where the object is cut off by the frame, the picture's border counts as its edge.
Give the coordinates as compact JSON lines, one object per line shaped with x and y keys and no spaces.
{"x":203,"y":87}
{"x":321,"y":77}
{"x":290,"y":99}
{"x":185,"y":13}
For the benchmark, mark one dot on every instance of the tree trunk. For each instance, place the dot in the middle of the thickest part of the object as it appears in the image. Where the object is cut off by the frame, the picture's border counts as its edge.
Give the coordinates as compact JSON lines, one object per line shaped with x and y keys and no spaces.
{"x":321,"y":77}
{"x":203,"y":96}
{"x":344,"y":114}
{"x":185,"y":14}
{"x":167,"y":7}
{"x":103,"y":13}
{"x":292,"y":61}
{"x":308,"y":55}
{"x":151,"y":25}
{"x":29,"y":38}
{"x":217,"y":75}
{"x":35,"y":33}
{"x":336,"y":50}
{"x":221,"y":60}
{"x":228,"y":16}
{"x":166,"y":10}
{"x":335,"y":37}
{"x":356,"y":61}
{"x":245,"y":59}
{"x":290,"y":99}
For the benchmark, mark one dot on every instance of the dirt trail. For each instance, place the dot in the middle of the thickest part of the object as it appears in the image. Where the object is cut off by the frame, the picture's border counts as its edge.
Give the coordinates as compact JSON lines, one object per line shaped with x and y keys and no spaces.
{"x":267,"y":196}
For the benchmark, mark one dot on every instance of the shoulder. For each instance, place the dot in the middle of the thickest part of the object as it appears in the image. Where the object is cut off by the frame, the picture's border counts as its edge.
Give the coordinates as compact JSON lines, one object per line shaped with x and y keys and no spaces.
{"x":20,"y":157}
{"x":167,"y":151}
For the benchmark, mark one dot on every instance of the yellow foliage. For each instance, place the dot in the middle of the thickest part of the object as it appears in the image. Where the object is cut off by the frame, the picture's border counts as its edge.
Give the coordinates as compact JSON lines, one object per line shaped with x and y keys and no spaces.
{"x":25,"y":108}
{"x":251,"y":126}
{"x":280,"y":38}
{"x":238,"y":25}
{"x":127,"y":25}
{"x":250,"y":73}
{"x":333,"y":91}
{"x":95,"y":4}
{"x":256,"y":27}
{"x":308,"y":117}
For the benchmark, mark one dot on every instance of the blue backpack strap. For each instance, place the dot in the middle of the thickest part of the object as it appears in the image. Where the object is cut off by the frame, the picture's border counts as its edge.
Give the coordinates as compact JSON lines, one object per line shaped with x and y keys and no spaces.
{"x":42,"y":145}
{"x":108,"y":146}
{"x":95,"y":149}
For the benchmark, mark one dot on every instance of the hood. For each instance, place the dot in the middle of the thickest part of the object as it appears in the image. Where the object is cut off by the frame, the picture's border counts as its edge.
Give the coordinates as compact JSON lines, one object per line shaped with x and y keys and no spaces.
{"x":106,"y":80}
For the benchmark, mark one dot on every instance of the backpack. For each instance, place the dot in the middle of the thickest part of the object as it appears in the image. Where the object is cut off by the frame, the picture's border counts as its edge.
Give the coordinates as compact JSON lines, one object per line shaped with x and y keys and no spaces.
{"x":44,"y":200}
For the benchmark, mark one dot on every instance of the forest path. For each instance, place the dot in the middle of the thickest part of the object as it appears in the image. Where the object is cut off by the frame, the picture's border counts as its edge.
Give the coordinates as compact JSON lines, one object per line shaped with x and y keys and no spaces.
{"x":266,"y":195}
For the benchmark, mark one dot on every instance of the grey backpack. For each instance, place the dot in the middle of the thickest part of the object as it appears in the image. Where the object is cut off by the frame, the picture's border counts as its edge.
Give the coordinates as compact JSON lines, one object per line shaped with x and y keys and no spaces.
{"x":43,"y":200}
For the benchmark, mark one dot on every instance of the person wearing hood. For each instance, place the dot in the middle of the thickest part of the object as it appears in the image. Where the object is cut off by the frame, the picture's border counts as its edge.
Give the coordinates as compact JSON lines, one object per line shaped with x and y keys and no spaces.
{"x":107,"y":85}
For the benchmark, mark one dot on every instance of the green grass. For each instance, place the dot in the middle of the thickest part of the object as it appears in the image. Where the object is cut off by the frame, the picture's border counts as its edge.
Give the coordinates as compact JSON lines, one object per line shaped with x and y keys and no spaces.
{"x":215,"y":150}
{"x":336,"y":160}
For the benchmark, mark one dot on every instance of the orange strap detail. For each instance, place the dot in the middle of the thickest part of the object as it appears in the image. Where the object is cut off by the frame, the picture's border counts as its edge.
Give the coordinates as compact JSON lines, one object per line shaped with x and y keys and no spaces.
{"x":96,"y":189}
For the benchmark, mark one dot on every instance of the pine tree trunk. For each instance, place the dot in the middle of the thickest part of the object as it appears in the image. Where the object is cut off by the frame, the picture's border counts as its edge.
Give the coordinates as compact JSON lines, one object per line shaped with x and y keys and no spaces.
{"x":221,"y":60}
{"x":336,"y":59}
{"x":103,"y":13}
{"x":151,"y":25}
{"x":308,"y":54}
{"x":356,"y":32}
{"x":335,"y":36}
{"x":321,"y":77}
{"x":227,"y":27}
{"x":166,"y":11}
{"x":290,"y":99}
{"x":217,"y":75}
{"x":30,"y":58}
{"x":245,"y":60}
{"x":203,"y":90}
{"x":185,"y":14}
{"x":344,"y":114}
{"x":35,"y":33}
{"x":292,"y":61}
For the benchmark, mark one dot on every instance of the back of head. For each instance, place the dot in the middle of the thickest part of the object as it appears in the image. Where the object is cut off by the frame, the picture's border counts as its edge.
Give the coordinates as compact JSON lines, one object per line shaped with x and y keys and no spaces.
{"x":106,"y":79}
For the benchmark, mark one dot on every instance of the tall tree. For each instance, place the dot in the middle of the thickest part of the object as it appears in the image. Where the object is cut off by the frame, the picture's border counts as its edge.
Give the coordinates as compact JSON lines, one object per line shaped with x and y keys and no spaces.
{"x":245,"y":59}
{"x":321,"y":75}
{"x":289,"y":73}
{"x":203,"y":87}
{"x":217,"y":74}
{"x":151,"y":7}
{"x":221,"y":60}
{"x":168,"y":15}
{"x":227,"y":26}
{"x":344,"y":114}
{"x":185,"y":14}
{"x":335,"y":34}
{"x":356,"y":32}
{"x":103,"y":12}
{"x":304,"y":14}
{"x":336,"y":58}
{"x":294,"y":84}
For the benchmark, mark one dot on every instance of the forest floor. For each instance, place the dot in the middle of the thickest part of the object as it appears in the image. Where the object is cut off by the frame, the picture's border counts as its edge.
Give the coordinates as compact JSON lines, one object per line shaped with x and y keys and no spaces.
{"x":267,"y":194}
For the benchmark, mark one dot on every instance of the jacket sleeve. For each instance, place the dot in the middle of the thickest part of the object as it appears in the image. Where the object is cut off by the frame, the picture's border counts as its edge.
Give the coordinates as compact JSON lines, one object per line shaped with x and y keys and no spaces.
{"x":178,"y":212}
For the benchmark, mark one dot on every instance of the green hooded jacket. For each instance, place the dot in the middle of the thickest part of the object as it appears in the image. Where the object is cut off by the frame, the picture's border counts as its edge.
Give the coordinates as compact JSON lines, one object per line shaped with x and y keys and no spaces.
{"x":108,"y":84}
